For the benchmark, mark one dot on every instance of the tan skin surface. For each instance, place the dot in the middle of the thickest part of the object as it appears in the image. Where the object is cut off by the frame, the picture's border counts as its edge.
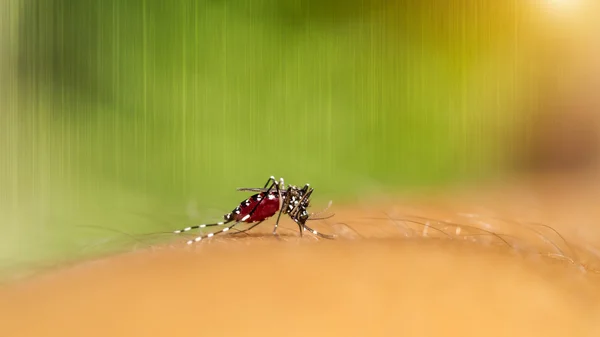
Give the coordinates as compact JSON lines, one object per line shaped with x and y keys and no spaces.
{"x":379,"y":284}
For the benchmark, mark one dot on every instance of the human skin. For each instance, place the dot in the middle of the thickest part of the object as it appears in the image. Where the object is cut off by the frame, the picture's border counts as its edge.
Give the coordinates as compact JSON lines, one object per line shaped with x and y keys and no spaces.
{"x":378,"y":284}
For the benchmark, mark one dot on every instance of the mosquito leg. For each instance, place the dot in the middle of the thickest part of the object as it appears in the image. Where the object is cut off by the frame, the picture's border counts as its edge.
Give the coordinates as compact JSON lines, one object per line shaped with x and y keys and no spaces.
{"x":282,"y":185}
{"x":326,"y":236}
{"x":187,"y":229}
{"x":247,"y":229}
{"x":210,"y":235}
{"x":271,"y":180}
{"x":282,"y":206}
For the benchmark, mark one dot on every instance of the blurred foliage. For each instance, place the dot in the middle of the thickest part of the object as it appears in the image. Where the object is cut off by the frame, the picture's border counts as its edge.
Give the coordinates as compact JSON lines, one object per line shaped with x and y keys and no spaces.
{"x":126,"y":112}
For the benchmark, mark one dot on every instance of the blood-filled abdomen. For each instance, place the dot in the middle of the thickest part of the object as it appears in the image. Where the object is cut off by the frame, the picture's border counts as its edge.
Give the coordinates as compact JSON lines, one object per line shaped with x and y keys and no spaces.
{"x":268,"y":205}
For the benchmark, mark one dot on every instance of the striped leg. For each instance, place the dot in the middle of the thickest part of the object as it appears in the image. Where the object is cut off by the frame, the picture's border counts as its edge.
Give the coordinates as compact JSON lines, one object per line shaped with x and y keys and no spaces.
{"x":326,"y":236}
{"x":210,"y":235}
{"x":282,"y":205}
{"x":187,"y":229}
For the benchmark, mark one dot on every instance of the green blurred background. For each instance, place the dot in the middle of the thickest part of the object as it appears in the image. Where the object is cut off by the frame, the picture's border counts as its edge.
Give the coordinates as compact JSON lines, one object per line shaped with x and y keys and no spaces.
{"x":145,"y":115}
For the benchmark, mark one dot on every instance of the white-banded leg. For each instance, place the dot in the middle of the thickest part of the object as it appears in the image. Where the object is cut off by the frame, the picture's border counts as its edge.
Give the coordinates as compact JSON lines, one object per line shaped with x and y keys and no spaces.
{"x":282,"y":205}
{"x":278,"y":187}
{"x":326,"y":236}
{"x":221,"y":223}
{"x":273,"y":181}
{"x":210,"y":235}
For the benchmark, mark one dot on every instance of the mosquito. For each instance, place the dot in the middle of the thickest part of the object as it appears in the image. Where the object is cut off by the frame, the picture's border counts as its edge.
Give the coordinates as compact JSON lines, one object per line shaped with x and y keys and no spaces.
{"x":273,"y":198}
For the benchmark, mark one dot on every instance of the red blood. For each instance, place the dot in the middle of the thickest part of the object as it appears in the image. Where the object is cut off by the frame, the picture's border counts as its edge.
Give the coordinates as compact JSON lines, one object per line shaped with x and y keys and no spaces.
{"x":267,"y":208}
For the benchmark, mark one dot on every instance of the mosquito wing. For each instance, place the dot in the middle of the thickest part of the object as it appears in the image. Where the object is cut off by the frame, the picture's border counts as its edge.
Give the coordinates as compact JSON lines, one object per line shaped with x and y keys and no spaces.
{"x":252,"y":189}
